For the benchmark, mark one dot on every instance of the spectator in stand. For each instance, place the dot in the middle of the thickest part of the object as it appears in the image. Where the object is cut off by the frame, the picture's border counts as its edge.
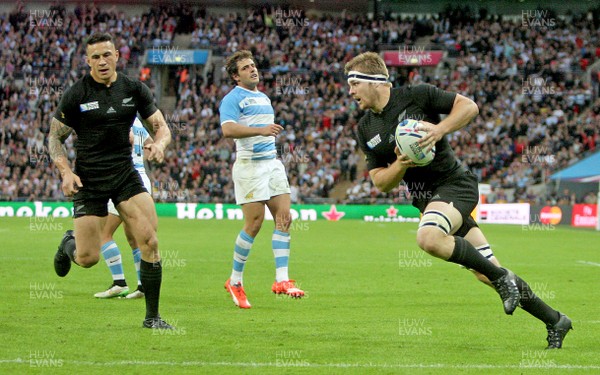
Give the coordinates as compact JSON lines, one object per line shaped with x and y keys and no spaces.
{"x":495,"y":62}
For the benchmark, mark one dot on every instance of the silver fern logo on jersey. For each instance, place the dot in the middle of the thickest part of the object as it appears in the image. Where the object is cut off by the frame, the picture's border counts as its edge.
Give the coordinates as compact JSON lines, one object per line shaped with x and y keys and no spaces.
{"x":401,"y":116}
{"x":374,"y":141}
{"x":128,"y":102}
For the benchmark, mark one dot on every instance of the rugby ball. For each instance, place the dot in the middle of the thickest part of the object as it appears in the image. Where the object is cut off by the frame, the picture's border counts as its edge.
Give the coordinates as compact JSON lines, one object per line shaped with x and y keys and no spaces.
{"x":407,"y":140}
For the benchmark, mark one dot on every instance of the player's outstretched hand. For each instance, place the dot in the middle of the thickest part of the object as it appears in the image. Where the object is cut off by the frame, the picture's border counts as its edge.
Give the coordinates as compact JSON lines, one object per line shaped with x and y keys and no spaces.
{"x":271,"y":130}
{"x":403,"y":159}
{"x":70,"y":184}
{"x":434,"y":134}
{"x":155,"y":153}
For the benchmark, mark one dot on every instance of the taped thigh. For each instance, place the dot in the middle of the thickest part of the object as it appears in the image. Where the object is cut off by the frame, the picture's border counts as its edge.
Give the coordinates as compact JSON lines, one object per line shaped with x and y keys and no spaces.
{"x":436,"y":219}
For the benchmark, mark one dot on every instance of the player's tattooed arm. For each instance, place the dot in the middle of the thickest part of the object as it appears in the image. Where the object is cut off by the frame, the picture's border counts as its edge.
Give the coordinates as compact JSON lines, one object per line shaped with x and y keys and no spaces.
{"x":59,"y":132}
{"x":157,"y":127}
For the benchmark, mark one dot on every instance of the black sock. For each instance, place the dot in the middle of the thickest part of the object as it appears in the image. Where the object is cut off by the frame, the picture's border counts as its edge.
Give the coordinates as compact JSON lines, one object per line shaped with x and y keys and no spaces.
{"x":535,"y":306}
{"x":465,"y":254}
{"x":120,"y":282}
{"x":69,"y":248}
{"x":151,"y":277}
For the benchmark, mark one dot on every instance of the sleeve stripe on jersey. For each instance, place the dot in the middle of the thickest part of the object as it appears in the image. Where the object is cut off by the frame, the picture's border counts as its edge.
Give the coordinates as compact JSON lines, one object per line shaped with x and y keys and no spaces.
{"x":263,"y":147}
{"x":252,"y":101}
{"x":252,"y":119}
{"x":258,"y":109}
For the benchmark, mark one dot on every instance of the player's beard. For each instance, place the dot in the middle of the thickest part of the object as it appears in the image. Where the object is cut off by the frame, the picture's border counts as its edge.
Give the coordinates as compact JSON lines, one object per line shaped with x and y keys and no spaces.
{"x":250,"y":84}
{"x":370,"y":100}
{"x":366,"y":102}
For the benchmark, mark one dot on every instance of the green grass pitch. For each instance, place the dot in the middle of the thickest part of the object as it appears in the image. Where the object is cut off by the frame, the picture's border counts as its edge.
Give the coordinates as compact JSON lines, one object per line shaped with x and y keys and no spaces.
{"x":375,"y":304}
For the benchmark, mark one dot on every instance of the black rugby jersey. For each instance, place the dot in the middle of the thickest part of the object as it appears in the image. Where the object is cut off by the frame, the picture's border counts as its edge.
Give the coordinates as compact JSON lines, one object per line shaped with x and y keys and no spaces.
{"x":376,"y":133}
{"x":101,"y":117}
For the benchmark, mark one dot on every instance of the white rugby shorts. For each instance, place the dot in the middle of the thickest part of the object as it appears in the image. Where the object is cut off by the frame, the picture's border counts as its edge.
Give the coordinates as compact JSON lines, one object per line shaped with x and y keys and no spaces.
{"x":259,"y":180}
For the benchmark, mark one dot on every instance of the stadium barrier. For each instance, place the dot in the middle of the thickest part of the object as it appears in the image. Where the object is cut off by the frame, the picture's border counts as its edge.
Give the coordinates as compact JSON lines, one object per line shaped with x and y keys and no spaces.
{"x":503,"y":213}
{"x":551,"y":215}
{"x":578,"y":215}
{"x":218,"y":211}
{"x":585,"y":215}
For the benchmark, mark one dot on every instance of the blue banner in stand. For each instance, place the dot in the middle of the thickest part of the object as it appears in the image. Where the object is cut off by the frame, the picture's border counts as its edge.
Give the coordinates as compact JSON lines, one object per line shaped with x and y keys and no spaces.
{"x":175,"y":56}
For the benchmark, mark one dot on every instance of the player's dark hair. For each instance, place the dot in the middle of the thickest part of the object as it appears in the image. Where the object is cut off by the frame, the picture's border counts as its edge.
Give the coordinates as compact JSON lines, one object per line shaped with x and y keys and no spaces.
{"x":99,"y":38}
{"x":231,"y":63}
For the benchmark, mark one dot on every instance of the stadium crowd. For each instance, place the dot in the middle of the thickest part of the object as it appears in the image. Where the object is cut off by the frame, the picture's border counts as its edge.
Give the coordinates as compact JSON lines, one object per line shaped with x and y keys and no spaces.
{"x":537,"y":112}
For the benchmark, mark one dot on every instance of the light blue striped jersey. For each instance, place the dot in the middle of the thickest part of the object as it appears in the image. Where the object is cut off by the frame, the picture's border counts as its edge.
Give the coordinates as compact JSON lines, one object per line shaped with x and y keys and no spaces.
{"x":254,"y":109}
{"x":140,"y":134}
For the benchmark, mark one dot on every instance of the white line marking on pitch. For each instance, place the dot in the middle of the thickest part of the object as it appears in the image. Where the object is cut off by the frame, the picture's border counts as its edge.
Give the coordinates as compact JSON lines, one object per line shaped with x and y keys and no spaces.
{"x":308,"y":365}
{"x":590,"y":263}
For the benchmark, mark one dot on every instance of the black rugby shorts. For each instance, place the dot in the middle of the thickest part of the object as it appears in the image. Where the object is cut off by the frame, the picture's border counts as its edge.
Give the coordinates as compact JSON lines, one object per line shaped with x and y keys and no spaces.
{"x":462,"y":191}
{"x":91,"y":201}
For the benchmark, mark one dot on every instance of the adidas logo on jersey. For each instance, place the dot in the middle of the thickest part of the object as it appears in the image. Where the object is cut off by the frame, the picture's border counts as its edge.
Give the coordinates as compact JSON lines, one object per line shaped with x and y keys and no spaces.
{"x":111,"y":110}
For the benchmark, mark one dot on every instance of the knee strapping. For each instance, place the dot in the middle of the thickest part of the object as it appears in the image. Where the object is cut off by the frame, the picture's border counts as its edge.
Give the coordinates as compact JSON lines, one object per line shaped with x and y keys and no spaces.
{"x":436,"y":219}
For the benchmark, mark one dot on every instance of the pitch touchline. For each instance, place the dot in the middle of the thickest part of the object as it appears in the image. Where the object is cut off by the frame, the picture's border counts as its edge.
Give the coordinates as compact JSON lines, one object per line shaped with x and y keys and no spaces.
{"x":590,"y":263}
{"x":305,"y":364}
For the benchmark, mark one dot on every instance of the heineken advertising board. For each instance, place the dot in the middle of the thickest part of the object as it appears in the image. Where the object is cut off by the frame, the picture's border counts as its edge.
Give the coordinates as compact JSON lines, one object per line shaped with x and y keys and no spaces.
{"x":218,"y":211}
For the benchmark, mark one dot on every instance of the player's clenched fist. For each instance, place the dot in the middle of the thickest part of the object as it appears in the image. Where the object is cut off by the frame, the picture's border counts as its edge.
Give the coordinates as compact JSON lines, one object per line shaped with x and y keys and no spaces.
{"x":70,"y":184}
{"x":155,"y":153}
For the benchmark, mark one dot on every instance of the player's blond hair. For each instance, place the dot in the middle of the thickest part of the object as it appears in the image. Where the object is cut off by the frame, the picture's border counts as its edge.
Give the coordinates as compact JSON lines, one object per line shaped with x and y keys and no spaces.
{"x":367,"y":63}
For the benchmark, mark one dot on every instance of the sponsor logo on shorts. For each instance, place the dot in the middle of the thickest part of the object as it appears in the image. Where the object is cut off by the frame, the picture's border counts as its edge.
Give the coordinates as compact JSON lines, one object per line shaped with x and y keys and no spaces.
{"x":250,"y":195}
{"x":79,"y":209}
